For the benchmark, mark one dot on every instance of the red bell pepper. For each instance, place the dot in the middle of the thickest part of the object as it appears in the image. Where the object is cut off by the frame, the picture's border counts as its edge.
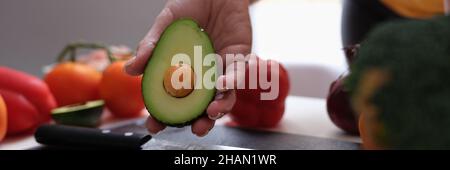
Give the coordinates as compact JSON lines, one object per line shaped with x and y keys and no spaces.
{"x":22,"y":115}
{"x":249,"y":110}
{"x":25,"y":94}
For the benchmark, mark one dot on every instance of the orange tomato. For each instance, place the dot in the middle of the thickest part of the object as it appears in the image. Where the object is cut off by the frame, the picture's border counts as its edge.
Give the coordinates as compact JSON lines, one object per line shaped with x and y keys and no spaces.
{"x":73,"y":83}
{"x":121,"y":92}
{"x":3,"y":119}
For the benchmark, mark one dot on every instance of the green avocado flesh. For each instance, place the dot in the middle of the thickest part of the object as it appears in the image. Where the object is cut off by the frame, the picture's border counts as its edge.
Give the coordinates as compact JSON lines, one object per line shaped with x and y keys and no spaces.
{"x":179,"y":37}
{"x":87,"y":114}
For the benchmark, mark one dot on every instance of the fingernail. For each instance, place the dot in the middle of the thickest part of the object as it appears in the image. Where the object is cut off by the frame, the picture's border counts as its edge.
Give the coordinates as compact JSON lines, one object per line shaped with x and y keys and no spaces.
{"x":127,"y":66}
{"x":219,"y":96}
{"x":130,"y":61}
{"x":203,"y":134}
{"x":218,"y":116}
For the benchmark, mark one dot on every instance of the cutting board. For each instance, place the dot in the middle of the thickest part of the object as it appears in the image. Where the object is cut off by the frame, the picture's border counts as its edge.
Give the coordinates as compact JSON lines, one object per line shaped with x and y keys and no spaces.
{"x":244,"y":138}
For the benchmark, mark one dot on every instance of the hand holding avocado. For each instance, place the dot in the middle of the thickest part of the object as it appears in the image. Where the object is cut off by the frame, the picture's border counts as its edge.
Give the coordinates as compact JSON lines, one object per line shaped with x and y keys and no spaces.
{"x":228,"y":25}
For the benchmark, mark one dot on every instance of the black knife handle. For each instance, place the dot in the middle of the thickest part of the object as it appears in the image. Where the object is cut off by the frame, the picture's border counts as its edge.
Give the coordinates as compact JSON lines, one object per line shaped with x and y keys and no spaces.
{"x":88,"y":138}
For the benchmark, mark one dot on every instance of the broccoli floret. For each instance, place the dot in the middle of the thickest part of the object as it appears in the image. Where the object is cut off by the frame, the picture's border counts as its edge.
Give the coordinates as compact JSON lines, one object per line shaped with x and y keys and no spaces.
{"x":414,"y":104}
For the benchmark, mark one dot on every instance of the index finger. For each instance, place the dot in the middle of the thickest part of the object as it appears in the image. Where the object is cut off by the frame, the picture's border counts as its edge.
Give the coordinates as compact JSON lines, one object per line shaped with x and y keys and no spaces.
{"x":145,"y":48}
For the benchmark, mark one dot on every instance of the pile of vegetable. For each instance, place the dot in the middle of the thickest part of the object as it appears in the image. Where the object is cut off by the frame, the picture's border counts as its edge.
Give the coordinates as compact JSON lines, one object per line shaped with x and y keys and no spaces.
{"x":77,"y":82}
{"x":72,"y":92}
{"x":27,"y":102}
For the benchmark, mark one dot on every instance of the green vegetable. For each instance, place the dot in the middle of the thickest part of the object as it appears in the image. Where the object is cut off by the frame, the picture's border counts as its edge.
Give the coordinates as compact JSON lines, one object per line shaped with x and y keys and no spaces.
{"x":87,"y":114}
{"x":414,"y":104}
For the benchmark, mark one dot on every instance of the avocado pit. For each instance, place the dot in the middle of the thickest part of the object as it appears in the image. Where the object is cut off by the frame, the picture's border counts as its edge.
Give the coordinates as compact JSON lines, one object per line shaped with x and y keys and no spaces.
{"x":178,"y":88}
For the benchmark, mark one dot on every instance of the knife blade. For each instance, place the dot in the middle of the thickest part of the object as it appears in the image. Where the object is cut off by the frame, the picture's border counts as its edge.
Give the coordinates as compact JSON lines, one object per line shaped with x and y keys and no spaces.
{"x":91,"y":138}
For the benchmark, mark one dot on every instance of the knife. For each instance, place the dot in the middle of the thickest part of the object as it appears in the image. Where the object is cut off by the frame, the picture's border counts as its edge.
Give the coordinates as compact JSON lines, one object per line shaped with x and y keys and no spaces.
{"x":91,"y":138}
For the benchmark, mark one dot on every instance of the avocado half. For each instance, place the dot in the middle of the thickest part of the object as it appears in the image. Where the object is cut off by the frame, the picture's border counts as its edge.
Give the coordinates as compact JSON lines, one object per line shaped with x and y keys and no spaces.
{"x":87,"y":114}
{"x":180,"y":37}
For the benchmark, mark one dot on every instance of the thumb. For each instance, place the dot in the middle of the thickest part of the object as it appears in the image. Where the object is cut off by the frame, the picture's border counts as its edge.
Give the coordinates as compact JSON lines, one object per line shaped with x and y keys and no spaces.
{"x":136,"y":65}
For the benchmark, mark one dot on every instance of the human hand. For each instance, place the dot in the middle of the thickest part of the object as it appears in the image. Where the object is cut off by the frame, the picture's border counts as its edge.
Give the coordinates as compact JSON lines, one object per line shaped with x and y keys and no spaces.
{"x":228,"y":24}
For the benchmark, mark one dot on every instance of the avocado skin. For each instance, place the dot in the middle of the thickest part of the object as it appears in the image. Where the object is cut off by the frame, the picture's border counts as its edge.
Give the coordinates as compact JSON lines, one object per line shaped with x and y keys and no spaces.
{"x":87,"y":118}
{"x":414,"y":105}
{"x":179,"y":125}
{"x":187,"y":123}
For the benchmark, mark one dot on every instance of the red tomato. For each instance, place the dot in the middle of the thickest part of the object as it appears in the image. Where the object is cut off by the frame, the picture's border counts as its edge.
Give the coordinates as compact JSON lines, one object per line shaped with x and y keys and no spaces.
{"x":121,"y":92}
{"x":23,"y":116}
